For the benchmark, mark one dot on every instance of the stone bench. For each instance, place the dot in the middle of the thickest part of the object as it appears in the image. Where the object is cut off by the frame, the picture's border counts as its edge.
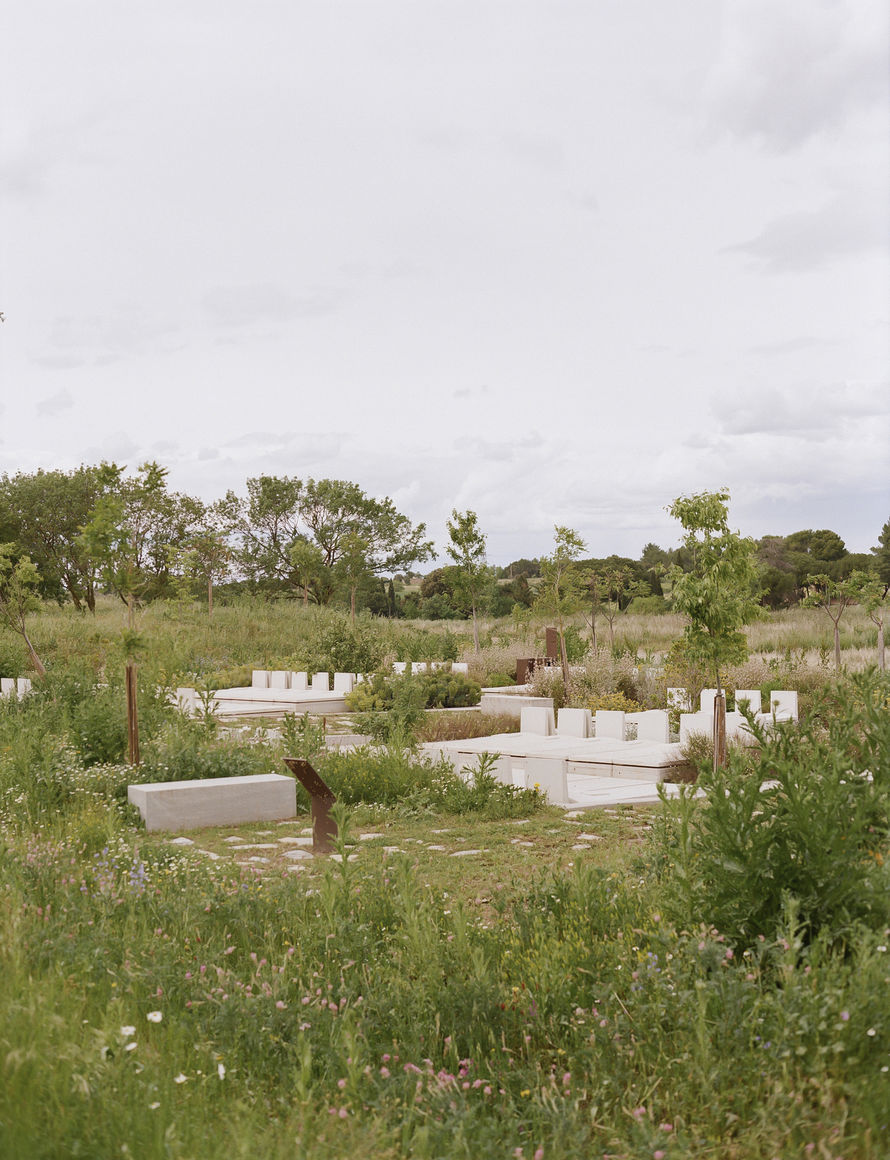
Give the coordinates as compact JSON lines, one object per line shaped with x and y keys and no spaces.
{"x":215,"y":801}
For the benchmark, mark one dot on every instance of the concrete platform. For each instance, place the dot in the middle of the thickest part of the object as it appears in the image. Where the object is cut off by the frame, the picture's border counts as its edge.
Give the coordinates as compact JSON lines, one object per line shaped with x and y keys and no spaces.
{"x":259,"y":702}
{"x":215,"y":801}
{"x":643,"y":761}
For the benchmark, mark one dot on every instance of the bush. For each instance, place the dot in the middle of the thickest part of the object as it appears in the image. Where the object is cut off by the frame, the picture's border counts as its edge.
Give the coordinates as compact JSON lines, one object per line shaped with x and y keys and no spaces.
{"x":812,"y":826}
{"x":454,"y":726}
{"x":438,"y":690}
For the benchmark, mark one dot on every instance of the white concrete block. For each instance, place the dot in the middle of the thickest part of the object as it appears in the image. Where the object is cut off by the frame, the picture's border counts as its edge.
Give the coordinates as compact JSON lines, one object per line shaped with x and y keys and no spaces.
{"x":679,"y":699}
{"x":706,"y":701}
{"x":537,"y":720}
{"x":23,"y":684}
{"x":752,"y":696}
{"x":216,"y":801}
{"x":344,"y":682}
{"x":299,"y":682}
{"x":277,"y":679}
{"x":782,"y":702}
{"x":436,"y":665}
{"x":696,"y":723}
{"x":259,"y":679}
{"x":186,"y":701}
{"x":654,"y":725}
{"x":611,"y":723}
{"x":399,"y":666}
{"x":549,"y":775}
{"x":574,"y":723}
{"x":461,"y":667}
{"x":418,"y":666}
{"x":321,"y":681}
{"x":7,"y":688}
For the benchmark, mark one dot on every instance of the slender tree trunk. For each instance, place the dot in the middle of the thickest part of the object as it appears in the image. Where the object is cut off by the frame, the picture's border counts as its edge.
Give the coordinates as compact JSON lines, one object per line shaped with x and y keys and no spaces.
{"x":563,"y":656}
{"x":837,"y":644}
{"x":352,"y":603}
{"x":881,"y":662}
{"x":719,"y":730}
{"x":32,"y":653}
{"x":475,"y":632}
{"x":132,"y":715}
{"x":210,"y":596}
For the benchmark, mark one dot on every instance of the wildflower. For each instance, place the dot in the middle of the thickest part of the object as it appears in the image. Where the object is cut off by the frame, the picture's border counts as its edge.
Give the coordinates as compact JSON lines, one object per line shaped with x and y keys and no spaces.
{"x":845,"y":1015}
{"x":341,"y":1084}
{"x":343,"y":1113}
{"x":180,"y":1078}
{"x":384,"y":1071}
{"x":154,"y":1107}
{"x":154,"y":1016}
{"x":871,"y":1031}
{"x":539,"y":1154}
{"x":659,"y":1154}
{"x":130,"y":1046}
{"x":126,"y":1032}
{"x":221,"y":1070}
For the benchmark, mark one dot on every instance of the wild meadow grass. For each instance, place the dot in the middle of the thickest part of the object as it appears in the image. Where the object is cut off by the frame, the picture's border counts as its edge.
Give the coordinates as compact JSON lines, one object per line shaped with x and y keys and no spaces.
{"x":705,"y":978}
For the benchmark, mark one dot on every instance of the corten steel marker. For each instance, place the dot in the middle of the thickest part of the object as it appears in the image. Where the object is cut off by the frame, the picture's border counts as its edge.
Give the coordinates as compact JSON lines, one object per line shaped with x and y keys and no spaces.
{"x":321,"y":798}
{"x":552,"y":645}
{"x":132,"y":717}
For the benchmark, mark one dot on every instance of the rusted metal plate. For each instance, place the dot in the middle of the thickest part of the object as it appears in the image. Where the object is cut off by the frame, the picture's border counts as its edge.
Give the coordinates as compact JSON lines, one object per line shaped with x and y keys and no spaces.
{"x":321,"y":798}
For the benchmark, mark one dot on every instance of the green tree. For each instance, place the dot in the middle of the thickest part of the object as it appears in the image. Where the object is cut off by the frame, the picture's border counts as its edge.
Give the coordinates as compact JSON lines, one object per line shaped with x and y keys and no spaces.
{"x":19,"y":580}
{"x":717,"y":593}
{"x":466,"y":548}
{"x":207,"y":555}
{"x":834,"y":597}
{"x":309,"y":568}
{"x":43,"y":513}
{"x":352,"y":567}
{"x":881,"y":551}
{"x":871,"y":593}
{"x":561,"y":593}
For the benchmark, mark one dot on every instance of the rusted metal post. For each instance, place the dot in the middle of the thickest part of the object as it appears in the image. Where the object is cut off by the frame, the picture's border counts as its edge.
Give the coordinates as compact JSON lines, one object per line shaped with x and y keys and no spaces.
{"x":321,"y":798}
{"x":132,"y":718}
{"x":552,"y":645}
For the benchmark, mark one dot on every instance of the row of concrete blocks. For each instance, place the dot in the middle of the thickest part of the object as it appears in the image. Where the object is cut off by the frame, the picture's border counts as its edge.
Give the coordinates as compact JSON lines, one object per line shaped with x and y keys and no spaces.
{"x":430,"y":666}
{"x":782,"y":702}
{"x":302,"y":682}
{"x":14,"y":687}
{"x":651,"y":725}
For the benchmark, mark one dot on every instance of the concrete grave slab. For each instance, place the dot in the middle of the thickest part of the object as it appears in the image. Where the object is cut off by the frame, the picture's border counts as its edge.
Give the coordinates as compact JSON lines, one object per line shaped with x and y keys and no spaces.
{"x":217,"y":801}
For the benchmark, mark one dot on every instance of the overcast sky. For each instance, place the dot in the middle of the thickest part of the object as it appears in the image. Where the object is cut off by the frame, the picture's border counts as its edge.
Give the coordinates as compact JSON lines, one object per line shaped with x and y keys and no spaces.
{"x":555,"y":262}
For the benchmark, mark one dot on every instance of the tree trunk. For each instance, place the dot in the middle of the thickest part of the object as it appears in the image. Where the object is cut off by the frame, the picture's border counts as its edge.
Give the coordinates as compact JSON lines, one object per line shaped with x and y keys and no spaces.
{"x":719,"y":730}
{"x":32,"y":653}
{"x":475,"y":632}
{"x":132,"y":717}
{"x":352,"y":603}
{"x":837,"y":644}
{"x":210,"y":596}
{"x":563,"y":656}
{"x":881,"y":663}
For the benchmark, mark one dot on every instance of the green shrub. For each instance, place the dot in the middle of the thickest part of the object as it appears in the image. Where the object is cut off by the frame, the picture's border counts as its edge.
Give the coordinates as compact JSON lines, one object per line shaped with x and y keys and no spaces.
{"x":811,"y":826}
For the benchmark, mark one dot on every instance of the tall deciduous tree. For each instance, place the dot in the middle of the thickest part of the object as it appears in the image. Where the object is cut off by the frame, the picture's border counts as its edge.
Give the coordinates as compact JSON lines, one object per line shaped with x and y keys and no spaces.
{"x":19,"y":580}
{"x":43,"y":513}
{"x":870,"y":591}
{"x":834,"y":597}
{"x":561,"y":593}
{"x":467,"y":549}
{"x":718,"y":594}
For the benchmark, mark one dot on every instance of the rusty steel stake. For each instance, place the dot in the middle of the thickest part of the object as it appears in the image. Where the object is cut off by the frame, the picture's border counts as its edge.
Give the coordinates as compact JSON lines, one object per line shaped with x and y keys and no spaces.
{"x":321,"y":798}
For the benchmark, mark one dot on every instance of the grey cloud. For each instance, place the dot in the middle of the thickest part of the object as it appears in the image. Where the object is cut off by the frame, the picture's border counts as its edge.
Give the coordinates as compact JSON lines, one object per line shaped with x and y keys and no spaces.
{"x":208,"y":453}
{"x":791,"y":345}
{"x":470,"y":392}
{"x":74,"y":340}
{"x":789,"y":72}
{"x":54,"y":404}
{"x":810,"y":239}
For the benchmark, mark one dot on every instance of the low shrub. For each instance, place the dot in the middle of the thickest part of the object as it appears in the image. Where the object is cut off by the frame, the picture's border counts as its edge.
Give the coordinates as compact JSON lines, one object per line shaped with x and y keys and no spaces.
{"x":811,"y":826}
{"x":454,"y":726}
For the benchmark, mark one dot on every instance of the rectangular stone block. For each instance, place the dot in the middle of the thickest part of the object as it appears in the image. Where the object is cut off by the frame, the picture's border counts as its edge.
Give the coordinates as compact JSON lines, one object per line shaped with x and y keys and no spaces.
{"x":399,"y":666}
{"x":610,"y":723}
{"x":7,"y":687}
{"x":751,"y":696}
{"x":322,"y":682}
{"x":299,"y":682}
{"x":536,"y":720}
{"x":574,"y":723}
{"x":696,"y":723}
{"x":23,"y":684}
{"x":418,"y":666}
{"x":782,"y":703}
{"x":653,"y":725}
{"x":186,"y":701}
{"x":344,"y":682}
{"x":259,"y":679}
{"x":461,"y":667}
{"x":706,"y":700}
{"x":217,"y":801}
{"x":679,"y":699}
{"x":277,"y":679}
{"x":549,"y":775}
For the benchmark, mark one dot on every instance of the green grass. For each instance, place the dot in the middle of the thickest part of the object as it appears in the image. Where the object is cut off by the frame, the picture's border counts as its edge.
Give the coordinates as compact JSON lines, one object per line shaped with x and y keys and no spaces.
{"x":563,"y":992}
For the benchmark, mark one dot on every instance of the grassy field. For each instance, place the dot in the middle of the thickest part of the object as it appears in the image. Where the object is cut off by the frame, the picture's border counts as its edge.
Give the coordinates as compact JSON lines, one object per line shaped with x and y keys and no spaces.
{"x":476,"y":974}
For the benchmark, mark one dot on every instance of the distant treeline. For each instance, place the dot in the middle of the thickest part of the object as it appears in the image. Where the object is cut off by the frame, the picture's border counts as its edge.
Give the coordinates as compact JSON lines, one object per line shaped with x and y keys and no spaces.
{"x":325,"y":542}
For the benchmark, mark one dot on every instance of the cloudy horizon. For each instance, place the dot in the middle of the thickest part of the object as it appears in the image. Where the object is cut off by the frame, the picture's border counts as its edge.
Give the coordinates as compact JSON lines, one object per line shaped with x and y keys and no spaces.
{"x":556,"y":262}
